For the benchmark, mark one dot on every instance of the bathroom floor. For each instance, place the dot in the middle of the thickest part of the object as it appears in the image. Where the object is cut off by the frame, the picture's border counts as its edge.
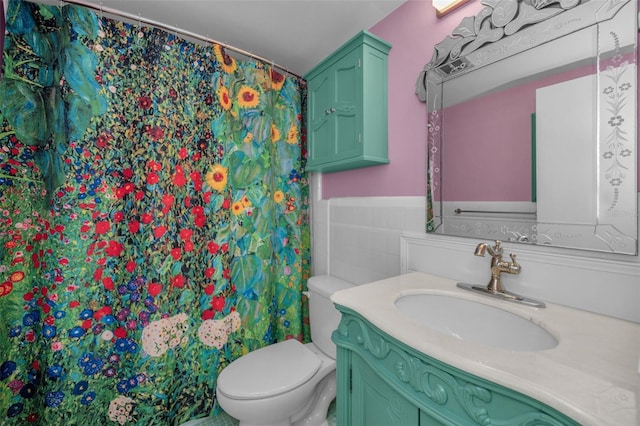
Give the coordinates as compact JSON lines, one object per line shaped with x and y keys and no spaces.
{"x":223,"y":419}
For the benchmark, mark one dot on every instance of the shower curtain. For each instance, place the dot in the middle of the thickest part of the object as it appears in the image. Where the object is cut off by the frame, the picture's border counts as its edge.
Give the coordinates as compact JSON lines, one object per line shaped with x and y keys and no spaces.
{"x":153,"y":218}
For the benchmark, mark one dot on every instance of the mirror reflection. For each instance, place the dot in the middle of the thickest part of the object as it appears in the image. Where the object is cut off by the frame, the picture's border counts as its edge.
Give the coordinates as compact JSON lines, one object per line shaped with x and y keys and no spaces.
{"x":532,"y":126}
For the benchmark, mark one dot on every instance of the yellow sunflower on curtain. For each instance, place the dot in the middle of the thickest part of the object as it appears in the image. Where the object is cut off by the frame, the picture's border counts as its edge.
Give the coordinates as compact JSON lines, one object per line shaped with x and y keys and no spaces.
{"x":217,"y":177}
{"x":248,"y":97}
{"x":277,"y":79}
{"x":224,"y":98}
{"x":228,"y":63}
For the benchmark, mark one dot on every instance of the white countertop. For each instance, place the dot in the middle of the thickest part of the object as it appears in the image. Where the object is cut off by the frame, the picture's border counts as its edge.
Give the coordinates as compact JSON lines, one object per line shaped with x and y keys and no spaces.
{"x":590,"y":376}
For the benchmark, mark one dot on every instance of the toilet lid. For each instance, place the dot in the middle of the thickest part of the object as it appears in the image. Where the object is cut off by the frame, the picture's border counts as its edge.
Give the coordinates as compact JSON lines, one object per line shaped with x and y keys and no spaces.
{"x":269,"y":371}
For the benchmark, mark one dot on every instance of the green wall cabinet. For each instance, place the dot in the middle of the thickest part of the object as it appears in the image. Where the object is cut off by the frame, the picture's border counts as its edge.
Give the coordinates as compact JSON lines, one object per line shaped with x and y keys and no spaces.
{"x":347,"y":107}
{"x":383,"y":382}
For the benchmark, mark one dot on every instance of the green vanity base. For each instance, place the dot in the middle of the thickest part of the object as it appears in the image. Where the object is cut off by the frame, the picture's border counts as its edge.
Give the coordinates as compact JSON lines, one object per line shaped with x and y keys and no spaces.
{"x":383,"y":382}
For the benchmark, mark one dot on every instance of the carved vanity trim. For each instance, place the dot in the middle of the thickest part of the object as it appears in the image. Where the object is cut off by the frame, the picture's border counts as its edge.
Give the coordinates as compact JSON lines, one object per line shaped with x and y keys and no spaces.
{"x":429,"y":385}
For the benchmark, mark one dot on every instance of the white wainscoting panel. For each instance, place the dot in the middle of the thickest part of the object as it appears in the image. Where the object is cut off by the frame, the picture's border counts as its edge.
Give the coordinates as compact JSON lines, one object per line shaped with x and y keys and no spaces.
{"x":365,"y":239}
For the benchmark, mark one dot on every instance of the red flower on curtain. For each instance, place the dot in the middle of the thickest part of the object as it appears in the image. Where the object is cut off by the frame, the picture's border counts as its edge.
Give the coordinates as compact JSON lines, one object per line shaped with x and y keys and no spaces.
{"x":102,"y":227}
{"x":6,"y":288}
{"x":213,"y":247}
{"x":178,"y":178}
{"x":114,"y":249}
{"x":127,"y":173}
{"x":145,"y":102}
{"x":97,"y":274}
{"x":107,"y":282}
{"x":154,"y":165}
{"x":168,"y":200}
{"x":196,"y":177}
{"x":154,"y":289}
{"x":200,"y":221}
{"x":155,"y":133}
{"x":152,"y":178}
{"x":103,"y":140}
{"x":134,"y":226}
{"x":185,"y":234}
{"x":178,"y":281}
{"x":217,"y":303}
{"x":100,"y":313}
{"x":159,"y":231}
{"x":176,"y":253}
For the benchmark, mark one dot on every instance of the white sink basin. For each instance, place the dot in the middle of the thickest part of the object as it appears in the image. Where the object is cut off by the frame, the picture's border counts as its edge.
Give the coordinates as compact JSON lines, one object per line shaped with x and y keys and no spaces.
{"x":475,"y":322}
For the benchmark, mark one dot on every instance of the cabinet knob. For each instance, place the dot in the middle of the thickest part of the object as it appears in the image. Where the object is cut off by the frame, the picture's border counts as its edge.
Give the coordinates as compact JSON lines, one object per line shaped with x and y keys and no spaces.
{"x":329,"y":111}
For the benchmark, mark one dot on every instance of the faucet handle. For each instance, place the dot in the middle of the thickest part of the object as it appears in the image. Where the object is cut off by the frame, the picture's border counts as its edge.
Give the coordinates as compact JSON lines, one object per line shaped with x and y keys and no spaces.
{"x":496,"y":250}
{"x":515,"y":267}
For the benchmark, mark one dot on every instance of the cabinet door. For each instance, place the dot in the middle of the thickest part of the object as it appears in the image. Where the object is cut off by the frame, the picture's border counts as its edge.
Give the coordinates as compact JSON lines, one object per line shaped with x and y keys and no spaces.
{"x":321,"y":127}
{"x":429,"y":420}
{"x":347,"y":100}
{"x":374,"y":403}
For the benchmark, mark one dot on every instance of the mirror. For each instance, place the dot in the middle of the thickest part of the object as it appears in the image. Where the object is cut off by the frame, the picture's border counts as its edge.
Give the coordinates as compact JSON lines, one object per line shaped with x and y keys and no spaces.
{"x":531,"y":125}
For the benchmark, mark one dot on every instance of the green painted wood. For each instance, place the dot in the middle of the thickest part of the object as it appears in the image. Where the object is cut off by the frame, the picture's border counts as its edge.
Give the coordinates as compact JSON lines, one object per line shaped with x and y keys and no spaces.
{"x":346,"y":100}
{"x":319,"y":126}
{"x":442,"y":394}
{"x":347,"y":107}
{"x":374,"y":403}
{"x":343,"y":387}
{"x":427,"y":419}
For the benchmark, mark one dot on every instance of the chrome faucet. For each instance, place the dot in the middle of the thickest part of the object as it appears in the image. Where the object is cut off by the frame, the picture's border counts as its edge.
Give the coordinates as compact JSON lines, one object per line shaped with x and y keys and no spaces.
{"x":498,"y":266}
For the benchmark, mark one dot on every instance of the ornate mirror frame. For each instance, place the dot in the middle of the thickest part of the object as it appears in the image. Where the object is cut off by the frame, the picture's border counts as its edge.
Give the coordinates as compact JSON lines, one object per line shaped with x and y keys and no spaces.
{"x":503,"y":29}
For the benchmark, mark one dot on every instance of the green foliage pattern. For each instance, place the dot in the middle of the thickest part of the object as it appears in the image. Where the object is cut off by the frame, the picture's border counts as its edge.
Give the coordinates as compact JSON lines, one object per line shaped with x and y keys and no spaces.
{"x":154,"y":220}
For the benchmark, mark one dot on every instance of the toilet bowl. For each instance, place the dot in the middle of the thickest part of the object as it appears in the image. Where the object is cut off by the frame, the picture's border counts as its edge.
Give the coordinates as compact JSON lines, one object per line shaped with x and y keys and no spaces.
{"x":288,"y":383}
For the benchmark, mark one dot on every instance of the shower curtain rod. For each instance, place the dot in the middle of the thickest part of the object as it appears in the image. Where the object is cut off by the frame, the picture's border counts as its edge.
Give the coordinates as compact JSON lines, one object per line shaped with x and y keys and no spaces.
{"x":176,"y":30}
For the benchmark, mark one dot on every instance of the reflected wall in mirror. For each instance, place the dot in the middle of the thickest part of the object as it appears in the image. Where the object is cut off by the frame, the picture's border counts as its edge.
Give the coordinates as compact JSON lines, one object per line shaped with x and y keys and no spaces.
{"x":531,"y":118}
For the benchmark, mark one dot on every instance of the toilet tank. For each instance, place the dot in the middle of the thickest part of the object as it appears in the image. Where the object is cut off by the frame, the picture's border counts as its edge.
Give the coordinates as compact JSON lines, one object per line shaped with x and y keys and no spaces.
{"x":323,"y":316}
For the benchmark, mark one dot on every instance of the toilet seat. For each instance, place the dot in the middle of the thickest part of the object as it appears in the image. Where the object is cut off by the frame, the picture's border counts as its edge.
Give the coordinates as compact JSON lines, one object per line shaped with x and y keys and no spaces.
{"x":269,"y":371}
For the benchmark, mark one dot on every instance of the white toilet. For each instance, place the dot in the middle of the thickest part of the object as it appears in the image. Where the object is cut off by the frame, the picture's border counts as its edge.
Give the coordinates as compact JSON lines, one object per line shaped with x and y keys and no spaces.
{"x":288,"y":383}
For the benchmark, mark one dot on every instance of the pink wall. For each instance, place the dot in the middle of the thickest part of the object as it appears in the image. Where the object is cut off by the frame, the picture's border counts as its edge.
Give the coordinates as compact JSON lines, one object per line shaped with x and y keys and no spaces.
{"x":412,"y":30}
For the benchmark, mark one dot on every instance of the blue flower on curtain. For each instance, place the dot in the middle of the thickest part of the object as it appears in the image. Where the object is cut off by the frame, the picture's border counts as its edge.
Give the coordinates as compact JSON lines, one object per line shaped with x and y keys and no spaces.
{"x":176,"y":236}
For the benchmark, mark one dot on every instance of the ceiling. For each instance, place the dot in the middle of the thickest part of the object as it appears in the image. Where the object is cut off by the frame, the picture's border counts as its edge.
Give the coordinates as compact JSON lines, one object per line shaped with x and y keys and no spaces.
{"x":294,"y":34}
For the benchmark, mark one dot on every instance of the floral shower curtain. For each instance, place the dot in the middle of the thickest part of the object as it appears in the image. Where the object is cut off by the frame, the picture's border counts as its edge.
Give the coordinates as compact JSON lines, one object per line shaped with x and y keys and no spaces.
{"x":153,"y":219}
